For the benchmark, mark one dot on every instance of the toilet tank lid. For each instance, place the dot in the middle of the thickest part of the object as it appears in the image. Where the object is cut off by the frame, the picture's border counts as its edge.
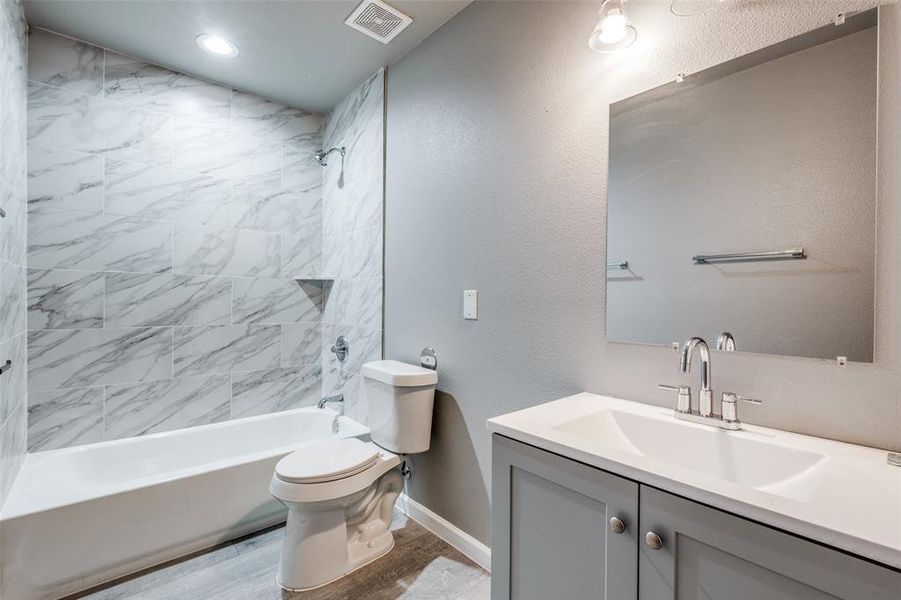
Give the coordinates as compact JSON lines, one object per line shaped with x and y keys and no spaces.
{"x":399,"y":374}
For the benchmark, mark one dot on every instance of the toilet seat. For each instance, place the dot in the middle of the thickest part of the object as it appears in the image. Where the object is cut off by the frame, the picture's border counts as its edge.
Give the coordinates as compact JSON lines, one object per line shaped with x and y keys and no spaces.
{"x":327,"y":460}
{"x":321,"y":488}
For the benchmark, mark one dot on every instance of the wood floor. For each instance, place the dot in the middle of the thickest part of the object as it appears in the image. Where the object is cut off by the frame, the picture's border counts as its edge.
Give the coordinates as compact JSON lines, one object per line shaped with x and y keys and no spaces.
{"x":421,"y":566}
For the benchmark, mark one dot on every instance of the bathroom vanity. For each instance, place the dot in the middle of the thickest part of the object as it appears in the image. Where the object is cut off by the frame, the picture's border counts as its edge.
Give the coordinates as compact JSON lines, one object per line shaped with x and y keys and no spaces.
{"x":597,"y":497}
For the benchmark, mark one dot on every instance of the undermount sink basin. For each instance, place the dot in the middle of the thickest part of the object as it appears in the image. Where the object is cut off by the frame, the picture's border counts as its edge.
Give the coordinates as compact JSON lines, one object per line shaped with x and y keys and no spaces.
{"x":739,"y":458}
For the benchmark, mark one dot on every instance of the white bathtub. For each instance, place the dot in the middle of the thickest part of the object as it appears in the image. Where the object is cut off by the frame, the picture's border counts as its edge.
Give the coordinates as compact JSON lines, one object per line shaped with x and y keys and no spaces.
{"x":78,"y":517}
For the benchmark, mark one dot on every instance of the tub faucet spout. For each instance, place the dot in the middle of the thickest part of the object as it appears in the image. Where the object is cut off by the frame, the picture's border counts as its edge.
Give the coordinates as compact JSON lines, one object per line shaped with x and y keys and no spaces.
{"x":337,"y":399}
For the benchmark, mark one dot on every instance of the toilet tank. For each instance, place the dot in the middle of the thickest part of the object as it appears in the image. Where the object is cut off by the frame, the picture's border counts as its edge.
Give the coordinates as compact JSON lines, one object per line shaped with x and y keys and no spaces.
{"x":400,"y":400}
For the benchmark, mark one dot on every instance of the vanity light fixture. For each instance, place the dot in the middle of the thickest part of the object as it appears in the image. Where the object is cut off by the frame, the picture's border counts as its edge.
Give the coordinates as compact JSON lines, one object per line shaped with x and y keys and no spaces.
{"x":216,"y":45}
{"x":614,"y":31}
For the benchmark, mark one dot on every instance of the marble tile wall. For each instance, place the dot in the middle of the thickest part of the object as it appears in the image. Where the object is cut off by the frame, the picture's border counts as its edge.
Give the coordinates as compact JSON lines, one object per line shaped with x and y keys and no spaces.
{"x":13,"y":382}
{"x":352,"y":239}
{"x":167,"y":220}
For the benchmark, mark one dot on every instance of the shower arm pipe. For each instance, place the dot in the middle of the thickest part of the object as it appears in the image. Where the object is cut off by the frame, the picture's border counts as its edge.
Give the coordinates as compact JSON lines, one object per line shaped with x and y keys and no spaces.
{"x":322,"y":155}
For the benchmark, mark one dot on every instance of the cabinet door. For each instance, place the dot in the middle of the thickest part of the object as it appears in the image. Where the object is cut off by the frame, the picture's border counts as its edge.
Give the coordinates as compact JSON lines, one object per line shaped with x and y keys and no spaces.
{"x":551,"y":536}
{"x":708,"y":553}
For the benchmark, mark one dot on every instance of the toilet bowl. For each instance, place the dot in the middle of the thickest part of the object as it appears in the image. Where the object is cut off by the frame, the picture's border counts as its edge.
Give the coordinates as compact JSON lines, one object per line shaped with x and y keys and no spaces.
{"x":340,"y":493}
{"x":340,"y":496}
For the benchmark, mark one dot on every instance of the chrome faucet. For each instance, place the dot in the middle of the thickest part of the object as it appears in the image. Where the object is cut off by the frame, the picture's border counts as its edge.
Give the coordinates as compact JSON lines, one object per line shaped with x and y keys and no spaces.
{"x":337,"y":399}
{"x":728,"y":417}
{"x":726,"y":342}
{"x":705,"y":395}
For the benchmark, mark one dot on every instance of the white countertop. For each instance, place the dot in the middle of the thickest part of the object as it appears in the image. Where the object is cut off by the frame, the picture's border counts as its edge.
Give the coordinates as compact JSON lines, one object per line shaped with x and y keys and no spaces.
{"x":850,"y":499}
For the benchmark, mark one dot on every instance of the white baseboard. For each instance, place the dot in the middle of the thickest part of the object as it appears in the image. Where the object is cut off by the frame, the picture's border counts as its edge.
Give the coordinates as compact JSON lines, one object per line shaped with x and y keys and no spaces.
{"x":453,"y":535}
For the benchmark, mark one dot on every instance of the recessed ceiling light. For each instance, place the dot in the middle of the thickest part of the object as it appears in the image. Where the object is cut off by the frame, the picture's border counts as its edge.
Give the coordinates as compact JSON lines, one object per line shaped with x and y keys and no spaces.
{"x":216,"y":45}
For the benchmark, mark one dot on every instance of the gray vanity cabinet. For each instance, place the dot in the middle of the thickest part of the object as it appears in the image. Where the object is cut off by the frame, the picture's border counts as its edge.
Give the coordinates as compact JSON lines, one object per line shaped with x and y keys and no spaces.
{"x":552,"y":540}
{"x":707,"y":553}
{"x":552,"y":536}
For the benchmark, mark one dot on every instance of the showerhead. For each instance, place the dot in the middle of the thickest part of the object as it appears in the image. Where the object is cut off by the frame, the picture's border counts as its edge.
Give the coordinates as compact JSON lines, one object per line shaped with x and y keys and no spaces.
{"x":322,"y":155}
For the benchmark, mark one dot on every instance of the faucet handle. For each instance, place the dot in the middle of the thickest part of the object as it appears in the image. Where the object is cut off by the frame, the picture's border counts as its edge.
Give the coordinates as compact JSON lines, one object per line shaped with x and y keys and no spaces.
{"x":730,"y":408}
{"x":683,"y":404}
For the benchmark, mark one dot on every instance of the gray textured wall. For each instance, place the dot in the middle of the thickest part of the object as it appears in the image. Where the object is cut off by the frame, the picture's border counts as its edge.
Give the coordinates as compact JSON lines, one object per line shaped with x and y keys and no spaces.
{"x":496,"y":176}
{"x":13,"y":384}
{"x":772,"y":157}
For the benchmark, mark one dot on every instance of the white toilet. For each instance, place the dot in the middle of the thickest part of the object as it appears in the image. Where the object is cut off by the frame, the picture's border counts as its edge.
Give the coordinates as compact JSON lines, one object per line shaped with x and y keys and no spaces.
{"x":340,"y":493}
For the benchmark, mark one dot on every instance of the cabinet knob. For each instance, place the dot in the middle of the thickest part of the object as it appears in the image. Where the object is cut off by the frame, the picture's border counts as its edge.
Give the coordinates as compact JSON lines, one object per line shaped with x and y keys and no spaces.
{"x":653,"y":541}
{"x":617,"y":525}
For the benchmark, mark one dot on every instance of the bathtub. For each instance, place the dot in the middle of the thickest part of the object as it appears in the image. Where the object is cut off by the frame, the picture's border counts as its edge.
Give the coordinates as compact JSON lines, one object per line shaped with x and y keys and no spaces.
{"x":78,"y":517}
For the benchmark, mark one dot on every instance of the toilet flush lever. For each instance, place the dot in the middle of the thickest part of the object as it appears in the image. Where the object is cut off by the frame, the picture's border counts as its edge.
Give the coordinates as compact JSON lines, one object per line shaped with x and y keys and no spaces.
{"x":428,"y":358}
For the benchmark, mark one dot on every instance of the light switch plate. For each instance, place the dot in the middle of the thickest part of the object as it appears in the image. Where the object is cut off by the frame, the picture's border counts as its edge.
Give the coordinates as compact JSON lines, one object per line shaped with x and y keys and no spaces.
{"x":471,"y":304}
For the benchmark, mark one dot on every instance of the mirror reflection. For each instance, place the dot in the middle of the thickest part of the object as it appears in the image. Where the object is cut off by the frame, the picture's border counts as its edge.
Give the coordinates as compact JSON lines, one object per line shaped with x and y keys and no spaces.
{"x":742,"y":199}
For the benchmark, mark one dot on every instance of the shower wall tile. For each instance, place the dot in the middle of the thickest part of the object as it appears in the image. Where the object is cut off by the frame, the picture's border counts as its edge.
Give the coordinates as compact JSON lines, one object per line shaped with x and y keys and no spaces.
{"x":256,"y":116}
{"x":220,"y":251}
{"x":13,"y":199}
{"x":13,"y":434}
{"x":78,"y":240}
{"x":275,"y":390}
{"x":11,"y":162}
{"x":139,"y":299}
{"x":147,"y":86}
{"x":353,"y":254}
{"x":161,"y":193}
{"x":366,"y":303}
{"x":300,"y":171}
{"x":12,"y":300}
{"x":275,"y":301}
{"x":167,"y":217}
{"x":262,"y":208}
{"x":59,"y":299}
{"x":65,"y":63}
{"x":12,"y":392}
{"x":204,"y":350}
{"x":352,"y":244}
{"x":351,"y":385}
{"x":138,"y":409}
{"x":222,"y":153}
{"x":64,"y":180}
{"x":12,"y":228}
{"x":301,"y":344}
{"x":62,"y":119}
{"x":301,"y":255}
{"x":337,"y":381}
{"x":365,"y":346}
{"x":358,"y":203}
{"x":64,"y":418}
{"x":67,"y":358}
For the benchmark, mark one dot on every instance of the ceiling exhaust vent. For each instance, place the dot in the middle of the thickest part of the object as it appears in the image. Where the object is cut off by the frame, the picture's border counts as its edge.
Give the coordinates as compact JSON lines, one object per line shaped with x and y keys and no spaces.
{"x":378,"y":20}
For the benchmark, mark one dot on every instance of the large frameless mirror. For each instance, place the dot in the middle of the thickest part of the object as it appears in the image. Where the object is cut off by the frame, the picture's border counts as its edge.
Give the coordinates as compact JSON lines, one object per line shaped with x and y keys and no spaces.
{"x":742,"y":199}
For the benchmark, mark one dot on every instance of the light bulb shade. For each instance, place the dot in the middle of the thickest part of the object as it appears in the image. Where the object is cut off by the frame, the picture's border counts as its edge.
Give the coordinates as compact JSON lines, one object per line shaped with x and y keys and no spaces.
{"x":614,"y":31}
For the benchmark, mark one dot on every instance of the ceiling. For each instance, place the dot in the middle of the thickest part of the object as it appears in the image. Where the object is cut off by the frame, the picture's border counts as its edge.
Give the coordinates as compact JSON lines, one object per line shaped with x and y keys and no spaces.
{"x":296,"y":51}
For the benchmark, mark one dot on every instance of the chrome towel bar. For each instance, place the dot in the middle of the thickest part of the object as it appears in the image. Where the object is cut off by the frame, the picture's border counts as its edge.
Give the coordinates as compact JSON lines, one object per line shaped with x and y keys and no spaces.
{"x":790,"y":254}
{"x":621,"y":264}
